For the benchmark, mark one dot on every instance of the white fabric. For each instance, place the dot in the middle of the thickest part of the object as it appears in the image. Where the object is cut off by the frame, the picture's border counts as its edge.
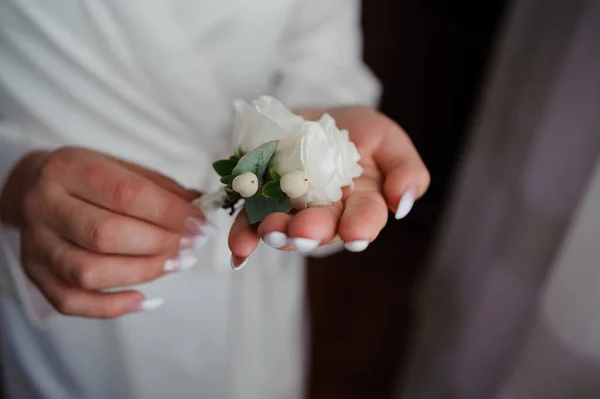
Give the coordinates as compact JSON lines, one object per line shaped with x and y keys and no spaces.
{"x":153,"y":81}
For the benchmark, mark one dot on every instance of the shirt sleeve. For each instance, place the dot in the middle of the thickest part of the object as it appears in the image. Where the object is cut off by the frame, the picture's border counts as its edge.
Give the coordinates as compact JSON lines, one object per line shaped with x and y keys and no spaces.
{"x":14,"y":283}
{"x":322,"y":62}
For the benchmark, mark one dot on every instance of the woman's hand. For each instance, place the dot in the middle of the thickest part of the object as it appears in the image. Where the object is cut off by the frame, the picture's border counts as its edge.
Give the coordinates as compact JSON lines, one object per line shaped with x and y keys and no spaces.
{"x":394,"y":177}
{"x":90,"y":222}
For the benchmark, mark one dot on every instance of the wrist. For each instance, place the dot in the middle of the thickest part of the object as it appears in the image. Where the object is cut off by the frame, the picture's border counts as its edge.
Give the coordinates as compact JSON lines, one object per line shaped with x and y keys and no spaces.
{"x":13,"y":192}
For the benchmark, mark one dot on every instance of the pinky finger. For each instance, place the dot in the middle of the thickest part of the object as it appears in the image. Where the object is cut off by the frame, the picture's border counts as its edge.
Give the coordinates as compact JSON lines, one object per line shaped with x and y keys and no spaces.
{"x":74,"y":301}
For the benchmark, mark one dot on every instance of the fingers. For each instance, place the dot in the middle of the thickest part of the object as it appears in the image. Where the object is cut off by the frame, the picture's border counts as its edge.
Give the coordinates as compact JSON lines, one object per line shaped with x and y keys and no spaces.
{"x":406,"y":177}
{"x":243,"y":240}
{"x":74,"y":301}
{"x":314,"y":226}
{"x":104,"y":232}
{"x":161,"y":180}
{"x":365,"y":215}
{"x":91,"y":271}
{"x":403,"y":186}
{"x":108,"y":184}
{"x":273,"y":230}
{"x":304,"y":231}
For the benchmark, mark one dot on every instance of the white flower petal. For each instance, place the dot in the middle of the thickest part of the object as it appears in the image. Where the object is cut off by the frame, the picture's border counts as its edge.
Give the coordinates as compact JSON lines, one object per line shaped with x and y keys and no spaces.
{"x":319,"y":149}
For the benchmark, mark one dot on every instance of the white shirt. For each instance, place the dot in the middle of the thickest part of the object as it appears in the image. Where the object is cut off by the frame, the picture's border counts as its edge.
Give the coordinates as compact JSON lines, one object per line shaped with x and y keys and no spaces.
{"x":153,"y":81}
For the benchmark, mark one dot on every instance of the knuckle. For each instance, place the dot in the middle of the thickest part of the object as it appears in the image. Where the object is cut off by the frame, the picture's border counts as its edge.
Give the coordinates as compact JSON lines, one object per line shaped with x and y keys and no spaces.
{"x":57,"y":257}
{"x":37,"y":201}
{"x":125,"y":193}
{"x":54,"y":165}
{"x":95,"y":174}
{"x":99,"y":234}
{"x":86,"y":277}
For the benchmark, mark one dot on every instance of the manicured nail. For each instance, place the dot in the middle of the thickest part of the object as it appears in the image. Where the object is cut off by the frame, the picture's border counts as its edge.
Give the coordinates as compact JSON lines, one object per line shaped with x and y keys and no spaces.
{"x":210,"y":229}
{"x":147,"y":305}
{"x":304,"y":244}
{"x":201,"y":227}
{"x":275,"y":239}
{"x":237,"y":262}
{"x":356,"y":246}
{"x":190,"y":242}
{"x":183,"y":262}
{"x":406,"y":203}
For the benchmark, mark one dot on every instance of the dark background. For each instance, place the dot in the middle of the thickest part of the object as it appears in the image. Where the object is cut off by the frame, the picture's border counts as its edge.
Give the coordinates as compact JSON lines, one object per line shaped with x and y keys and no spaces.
{"x":431,"y":56}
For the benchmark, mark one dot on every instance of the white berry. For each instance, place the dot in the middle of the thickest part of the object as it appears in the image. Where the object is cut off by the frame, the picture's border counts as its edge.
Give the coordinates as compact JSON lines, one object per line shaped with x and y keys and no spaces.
{"x":295,"y":184}
{"x":245,"y":184}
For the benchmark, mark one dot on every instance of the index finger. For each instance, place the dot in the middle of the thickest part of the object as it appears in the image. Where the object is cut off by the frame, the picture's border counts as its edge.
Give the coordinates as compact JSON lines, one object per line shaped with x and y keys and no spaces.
{"x":108,"y":184}
{"x":161,"y":180}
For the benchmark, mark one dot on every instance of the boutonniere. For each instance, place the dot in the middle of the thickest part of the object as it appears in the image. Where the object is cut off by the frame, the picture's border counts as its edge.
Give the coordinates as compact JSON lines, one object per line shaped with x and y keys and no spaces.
{"x":282,"y":162}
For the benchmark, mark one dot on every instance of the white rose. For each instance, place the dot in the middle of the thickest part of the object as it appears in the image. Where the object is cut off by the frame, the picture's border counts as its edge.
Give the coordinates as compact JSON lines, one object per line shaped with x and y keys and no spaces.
{"x":325,"y":154}
{"x":265,"y":119}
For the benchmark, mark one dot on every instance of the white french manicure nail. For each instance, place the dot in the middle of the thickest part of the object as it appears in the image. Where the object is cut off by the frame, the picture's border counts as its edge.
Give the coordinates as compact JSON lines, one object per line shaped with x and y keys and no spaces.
{"x":356,"y":246}
{"x":184,"y":262}
{"x":194,"y":226}
{"x":210,"y":230}
{"x":187,"y":261}
{"x":275,"y":239}
{"x":304,"y":244}
{"x":148,"y":304}
{"x":201,"y":227}
{"x":193,"y":242}
{"x":239,"y":266}
{"x":406,"y":203}
{"x":171,"y":265}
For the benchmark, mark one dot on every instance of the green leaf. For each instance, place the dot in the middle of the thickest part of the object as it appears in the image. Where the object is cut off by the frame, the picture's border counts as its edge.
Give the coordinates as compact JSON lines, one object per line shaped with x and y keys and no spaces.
{"x":256,"y":161}
{"x":275,"y":175}
{"x":281,"y":197}
{"x":239,"y":153}
{"x":271,"y":190}
{"x":259,"y":207}
{"x":227,"y":180}
{"x":225,"y":167}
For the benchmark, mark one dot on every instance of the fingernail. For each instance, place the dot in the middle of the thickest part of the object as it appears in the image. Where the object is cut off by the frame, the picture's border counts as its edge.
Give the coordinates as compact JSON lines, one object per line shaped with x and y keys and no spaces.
{"x":406,"y":203}
{"x":237,"y":262}
{"x":356,"y":246}
{"x":189,"y":242}
{"x":147,"y":305}
{"x":210,"y":229}
{"x":304,"y":244}
{"x":201,"y":227}
{"x":183,"y":262}
{"x":275,"y":239}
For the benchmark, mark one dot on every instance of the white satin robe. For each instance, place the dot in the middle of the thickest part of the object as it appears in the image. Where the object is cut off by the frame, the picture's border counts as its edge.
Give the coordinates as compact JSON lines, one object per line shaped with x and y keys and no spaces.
{"x":153,"y":81}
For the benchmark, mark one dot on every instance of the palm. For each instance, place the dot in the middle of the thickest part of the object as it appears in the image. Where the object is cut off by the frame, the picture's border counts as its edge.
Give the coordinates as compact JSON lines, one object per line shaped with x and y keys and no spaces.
{"x":392,"y":167}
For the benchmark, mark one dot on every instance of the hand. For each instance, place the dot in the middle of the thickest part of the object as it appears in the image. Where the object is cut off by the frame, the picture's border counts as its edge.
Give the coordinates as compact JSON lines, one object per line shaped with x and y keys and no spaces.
{"x":394,"y":177}
{"x":90,"y":222}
